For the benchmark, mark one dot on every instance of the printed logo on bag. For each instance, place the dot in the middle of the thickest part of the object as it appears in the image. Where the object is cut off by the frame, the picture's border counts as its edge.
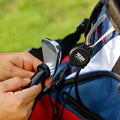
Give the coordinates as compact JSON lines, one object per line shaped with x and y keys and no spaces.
{"x":80,"y":57}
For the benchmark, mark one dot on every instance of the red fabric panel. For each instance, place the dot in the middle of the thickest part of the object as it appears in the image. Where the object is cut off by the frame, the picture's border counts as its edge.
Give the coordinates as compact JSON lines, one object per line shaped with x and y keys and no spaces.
{"x":44,"y":111}
{"x":66,"y":58}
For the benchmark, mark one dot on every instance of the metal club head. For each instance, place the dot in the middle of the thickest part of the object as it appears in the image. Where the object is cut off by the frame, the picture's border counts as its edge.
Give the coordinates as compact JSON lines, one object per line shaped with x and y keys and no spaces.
{"x":51,"y":54}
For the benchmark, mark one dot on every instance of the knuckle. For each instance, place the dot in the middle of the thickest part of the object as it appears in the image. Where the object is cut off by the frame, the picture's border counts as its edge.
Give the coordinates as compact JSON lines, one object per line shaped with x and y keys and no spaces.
{"x":25,"y":54}
{"x":2,"y":86}
{"x":19,"y":103}
{"x":9,"y":70}
{"x":24,"y":114}
{"x":17,"y":79}
{"x":27,"y":74}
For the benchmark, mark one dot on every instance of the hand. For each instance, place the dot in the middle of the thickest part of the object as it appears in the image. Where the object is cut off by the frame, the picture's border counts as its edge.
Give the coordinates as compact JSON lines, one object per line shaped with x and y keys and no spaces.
{"x":16,"y":104}
{"x":17,"y":65}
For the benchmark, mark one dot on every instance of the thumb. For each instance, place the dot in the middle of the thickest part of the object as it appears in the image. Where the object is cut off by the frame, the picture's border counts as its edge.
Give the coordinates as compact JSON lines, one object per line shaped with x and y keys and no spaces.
{"x":13,"y":84}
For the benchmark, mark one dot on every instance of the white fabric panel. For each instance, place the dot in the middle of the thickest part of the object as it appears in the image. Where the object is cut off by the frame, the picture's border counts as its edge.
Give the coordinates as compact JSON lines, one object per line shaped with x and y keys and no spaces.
{"x":105,"y":59}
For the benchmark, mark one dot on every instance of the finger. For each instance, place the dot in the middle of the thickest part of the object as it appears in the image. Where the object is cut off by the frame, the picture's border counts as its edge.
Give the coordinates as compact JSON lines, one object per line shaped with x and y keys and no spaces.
{"x":47,"y":82}
{"x":33,"y":62}
{"x":21,"y":72}
{"x":13,"y":84}
{"x":29,"y":94}
{"x":25,"y":61}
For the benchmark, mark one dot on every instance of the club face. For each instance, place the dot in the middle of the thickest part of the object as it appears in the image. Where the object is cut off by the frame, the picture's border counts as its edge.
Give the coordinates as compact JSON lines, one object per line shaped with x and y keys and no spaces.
{"x":51,"y":53}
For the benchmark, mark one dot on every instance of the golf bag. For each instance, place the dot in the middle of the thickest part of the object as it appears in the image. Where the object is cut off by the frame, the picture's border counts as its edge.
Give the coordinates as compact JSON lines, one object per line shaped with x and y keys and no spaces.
{"x":88,"y":91}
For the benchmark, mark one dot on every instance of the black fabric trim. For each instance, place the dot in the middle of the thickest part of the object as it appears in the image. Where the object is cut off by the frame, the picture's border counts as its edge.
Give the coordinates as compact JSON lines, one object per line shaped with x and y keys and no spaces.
{"x":70,"y":40}
{"x":94,"y":15}
{"x":84,"y":79}
{"x":37,"y":53}
{"x":91,"y":76}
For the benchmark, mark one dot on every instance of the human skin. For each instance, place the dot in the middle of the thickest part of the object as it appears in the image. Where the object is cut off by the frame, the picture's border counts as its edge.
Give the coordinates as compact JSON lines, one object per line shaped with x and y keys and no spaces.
{"x":16,"y":69}
{"x":17,"y":104}
{"x":21,"y":64}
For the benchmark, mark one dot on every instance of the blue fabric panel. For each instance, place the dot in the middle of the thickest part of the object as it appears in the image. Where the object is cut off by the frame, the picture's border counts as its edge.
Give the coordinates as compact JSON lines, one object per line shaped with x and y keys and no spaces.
{"x":101,"y":95}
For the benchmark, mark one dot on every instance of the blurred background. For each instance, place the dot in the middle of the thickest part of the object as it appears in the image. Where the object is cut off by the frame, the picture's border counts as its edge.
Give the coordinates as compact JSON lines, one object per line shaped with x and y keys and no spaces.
{"x":24,"y":23}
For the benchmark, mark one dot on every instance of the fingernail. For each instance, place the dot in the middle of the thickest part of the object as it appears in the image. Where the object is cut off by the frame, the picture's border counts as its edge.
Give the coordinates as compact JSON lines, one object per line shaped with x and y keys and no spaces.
{"x":27,"y":79}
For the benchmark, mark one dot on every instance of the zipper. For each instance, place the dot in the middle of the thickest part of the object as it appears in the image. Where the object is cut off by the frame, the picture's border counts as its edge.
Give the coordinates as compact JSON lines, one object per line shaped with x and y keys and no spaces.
{"x":85,"y":112}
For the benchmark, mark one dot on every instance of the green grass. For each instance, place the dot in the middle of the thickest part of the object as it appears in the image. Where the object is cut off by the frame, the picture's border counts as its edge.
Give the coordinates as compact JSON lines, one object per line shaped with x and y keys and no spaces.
{"x":24,"y":23}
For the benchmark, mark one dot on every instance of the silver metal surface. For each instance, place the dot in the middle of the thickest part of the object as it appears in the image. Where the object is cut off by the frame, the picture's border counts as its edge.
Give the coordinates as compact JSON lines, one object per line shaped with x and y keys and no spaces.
{"x":51,"y":54}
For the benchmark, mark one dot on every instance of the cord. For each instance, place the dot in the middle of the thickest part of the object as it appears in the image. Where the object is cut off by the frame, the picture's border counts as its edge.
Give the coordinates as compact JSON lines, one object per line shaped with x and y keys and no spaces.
{"x":65,"y":103}
{"x":76,"y":77}
{"x":54,"y":107}
{"x":87,"y":113}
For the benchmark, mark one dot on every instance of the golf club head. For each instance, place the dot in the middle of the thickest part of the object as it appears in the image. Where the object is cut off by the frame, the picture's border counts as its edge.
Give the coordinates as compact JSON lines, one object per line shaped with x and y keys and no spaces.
{"x":51,"y":54}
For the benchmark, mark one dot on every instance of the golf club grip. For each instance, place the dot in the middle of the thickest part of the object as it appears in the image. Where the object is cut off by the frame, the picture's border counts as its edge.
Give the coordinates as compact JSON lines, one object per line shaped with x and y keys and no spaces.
{"x":42,"y":73}
{"x":39,"y":76}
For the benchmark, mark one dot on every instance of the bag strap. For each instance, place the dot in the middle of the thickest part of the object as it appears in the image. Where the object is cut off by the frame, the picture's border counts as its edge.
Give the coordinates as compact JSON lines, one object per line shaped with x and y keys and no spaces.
{"x":95,"y":13}
{"x":84,"y":79}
